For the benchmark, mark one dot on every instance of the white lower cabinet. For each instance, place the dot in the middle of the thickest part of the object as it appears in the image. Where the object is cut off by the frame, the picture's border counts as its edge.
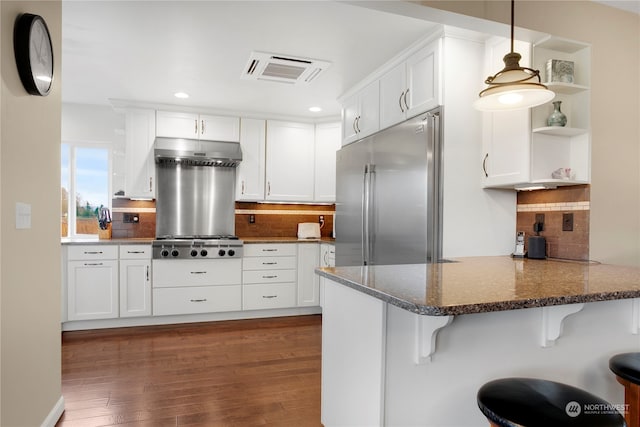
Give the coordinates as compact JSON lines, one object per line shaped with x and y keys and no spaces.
{"x":268,"y":295}
{"x":308,"y":280}
{"x":196,"y":299}
{"x":135,"y":280}
{"x":92,"y":282}
{"x":196,"y":286}
{"x":269,"y":276}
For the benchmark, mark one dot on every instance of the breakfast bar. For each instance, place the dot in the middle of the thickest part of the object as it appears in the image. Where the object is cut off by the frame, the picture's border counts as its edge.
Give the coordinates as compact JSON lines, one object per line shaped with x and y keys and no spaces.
{"x":411,"y":344}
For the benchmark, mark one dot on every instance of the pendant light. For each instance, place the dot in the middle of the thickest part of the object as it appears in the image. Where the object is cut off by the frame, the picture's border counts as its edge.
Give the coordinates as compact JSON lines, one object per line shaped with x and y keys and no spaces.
{"x":514,"y":87}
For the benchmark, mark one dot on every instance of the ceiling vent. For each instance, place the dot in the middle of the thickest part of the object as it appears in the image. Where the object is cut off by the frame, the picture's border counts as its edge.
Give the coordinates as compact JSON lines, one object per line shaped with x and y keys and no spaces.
{"x":283,"y":68}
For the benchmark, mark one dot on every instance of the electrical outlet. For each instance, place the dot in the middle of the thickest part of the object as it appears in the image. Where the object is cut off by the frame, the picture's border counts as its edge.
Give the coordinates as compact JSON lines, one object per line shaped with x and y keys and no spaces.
{"x":321,"y":219}
{"x":540,"y":218}
{"x":130,"y":218}
{"x":252,"y":219}
{"x":567,"y":222}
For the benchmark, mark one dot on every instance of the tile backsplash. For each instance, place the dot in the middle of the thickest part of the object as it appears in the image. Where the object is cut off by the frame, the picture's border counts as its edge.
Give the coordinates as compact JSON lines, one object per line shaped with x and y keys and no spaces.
{"x":271,"y":219}
{"x":573,"y":245}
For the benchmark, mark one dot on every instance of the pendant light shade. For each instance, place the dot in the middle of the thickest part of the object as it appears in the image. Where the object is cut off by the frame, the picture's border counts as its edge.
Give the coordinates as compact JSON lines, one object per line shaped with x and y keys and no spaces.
{"x":514,"y":87}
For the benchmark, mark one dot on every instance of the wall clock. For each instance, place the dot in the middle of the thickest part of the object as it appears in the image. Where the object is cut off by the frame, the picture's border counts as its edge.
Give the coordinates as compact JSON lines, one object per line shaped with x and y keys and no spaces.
{"x":34,"y":53}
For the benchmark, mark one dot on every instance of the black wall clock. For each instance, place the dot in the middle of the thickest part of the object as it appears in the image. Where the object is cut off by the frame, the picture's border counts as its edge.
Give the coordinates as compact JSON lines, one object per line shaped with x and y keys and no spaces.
{"x":34,"y":53}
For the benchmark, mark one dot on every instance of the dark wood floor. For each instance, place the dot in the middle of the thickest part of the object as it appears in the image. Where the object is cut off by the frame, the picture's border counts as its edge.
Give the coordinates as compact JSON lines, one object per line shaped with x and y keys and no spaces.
{"x":263,"y":372}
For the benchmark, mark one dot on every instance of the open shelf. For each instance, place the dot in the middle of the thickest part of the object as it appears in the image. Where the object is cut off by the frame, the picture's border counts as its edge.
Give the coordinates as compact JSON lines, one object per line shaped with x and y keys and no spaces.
{"x":565,"y":88}
{"x":560,"y":131}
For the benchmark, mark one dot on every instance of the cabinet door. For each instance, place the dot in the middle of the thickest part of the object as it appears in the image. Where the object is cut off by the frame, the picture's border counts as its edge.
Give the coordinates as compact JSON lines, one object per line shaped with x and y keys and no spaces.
{"x":177,"y":125}
{"x":327,"y":143}
{"x":218,"y":128}
{"x":92,"y":289}
{"x":423,"y":79}
{"x":393,"y":86}
{"x":350,"y":111}
{"x":250,"y":172}
{"x":135,"y":288}
{"x":140,"y":164}
{"x":369,"y":121}
{"x":506,"y":144}
{"x":308,"y":280}
{"x":290,"y":152}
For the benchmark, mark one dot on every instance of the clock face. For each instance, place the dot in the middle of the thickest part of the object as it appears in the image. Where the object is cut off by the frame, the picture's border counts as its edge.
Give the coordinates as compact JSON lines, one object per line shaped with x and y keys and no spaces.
{"x":41,"y":56}
{"x":34,"y":54}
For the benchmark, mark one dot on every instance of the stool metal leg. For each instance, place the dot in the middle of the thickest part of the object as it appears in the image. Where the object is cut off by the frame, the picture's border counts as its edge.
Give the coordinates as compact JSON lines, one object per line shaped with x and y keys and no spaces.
{"x":632,"y":399}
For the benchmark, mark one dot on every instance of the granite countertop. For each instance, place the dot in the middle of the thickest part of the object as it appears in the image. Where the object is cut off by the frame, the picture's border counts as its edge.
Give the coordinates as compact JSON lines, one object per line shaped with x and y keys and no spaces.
{"x":484,"y":284}
{"x":96,"y":241}
{"x":149,"y":240}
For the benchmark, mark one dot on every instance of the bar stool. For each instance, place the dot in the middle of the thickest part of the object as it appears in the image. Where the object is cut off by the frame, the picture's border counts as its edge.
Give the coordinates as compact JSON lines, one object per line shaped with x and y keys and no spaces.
{"x":530,"y":402}
{"x":626,"y":366}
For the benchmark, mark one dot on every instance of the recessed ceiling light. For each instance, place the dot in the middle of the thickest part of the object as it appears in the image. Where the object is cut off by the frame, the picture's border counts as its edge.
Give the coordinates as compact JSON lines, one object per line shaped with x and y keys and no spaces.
{"x":181,"y":95}
{"x":315,"y":109}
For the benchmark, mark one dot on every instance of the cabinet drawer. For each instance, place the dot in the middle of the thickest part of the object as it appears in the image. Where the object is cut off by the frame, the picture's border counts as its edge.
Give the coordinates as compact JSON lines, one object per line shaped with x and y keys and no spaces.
{"x":179,"y":273}
{"x":135,"y":251}
{"x":197,"y":299}
{"x":268,"y":276}
{"x":275,"y":249}
{"x":92,"y":252}
{"x":269,"y":263}
{"x":272,"y":295}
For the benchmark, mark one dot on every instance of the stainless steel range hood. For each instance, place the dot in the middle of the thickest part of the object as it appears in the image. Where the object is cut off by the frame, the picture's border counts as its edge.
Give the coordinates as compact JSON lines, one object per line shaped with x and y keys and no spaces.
{"x":197,"y":153}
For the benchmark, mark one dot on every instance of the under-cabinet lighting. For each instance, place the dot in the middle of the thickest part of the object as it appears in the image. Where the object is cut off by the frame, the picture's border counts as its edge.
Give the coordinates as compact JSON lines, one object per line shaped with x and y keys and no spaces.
{"x":536,"y":187}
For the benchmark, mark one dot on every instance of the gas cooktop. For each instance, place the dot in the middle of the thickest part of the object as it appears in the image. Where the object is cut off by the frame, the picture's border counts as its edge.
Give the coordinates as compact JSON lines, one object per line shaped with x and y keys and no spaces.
{"x":192,"y":247}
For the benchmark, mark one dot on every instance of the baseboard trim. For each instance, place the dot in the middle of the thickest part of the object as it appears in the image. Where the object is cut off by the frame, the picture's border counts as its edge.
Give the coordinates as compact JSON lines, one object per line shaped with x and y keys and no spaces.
{"x":54,"y":414}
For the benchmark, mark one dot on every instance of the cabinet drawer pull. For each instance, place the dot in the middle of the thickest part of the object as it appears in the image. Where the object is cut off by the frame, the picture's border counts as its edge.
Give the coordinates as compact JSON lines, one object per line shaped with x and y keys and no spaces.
{"x":202,"y":131}
{"x":242,"y":192}
{"x":92,"y":252}
{"x":269,"y":250}
{"x":198,"y":300}
{"x":406,"y":105}
{"x":400,"y":102}
{"x":147,"y":273}
{"x":484,"y":165}
{"x":269,"y":263}
{"x":135,"y":252}
{"x":92,"y":263}
{"x":196,"y":126}
{"x":269,"y":277}
{"x":269,"y":296}
{"x":198,"y":272}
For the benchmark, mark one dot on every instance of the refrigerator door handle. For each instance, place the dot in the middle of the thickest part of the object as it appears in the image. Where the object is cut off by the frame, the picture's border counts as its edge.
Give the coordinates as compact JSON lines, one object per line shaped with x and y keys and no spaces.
{"x":367,"y":202}
{"x":365,"y":216}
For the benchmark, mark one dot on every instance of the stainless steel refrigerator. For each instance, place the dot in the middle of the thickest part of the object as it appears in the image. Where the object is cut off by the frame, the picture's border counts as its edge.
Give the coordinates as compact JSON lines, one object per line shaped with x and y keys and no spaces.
{"x":388,"y":195}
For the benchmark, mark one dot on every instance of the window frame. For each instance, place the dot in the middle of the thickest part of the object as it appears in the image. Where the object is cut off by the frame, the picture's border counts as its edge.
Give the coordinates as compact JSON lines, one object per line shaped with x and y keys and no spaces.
{"x":71,"y":208}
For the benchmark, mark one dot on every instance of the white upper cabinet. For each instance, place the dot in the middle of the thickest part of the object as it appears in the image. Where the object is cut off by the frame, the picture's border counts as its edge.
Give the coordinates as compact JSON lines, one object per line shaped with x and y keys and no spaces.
{"x":520,"y":149}
{"x":290,"y":161}
{"x":411,"y":87}
{"x":328,"y":141}
{"x":173,"y":124}
{"x":140,"y":164}
{"x":250,"y":172}
{"x":361,"y":114}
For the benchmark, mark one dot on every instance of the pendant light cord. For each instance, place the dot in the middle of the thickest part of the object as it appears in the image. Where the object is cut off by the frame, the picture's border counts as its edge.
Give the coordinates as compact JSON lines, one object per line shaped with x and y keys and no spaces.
{"x":513,"y":3}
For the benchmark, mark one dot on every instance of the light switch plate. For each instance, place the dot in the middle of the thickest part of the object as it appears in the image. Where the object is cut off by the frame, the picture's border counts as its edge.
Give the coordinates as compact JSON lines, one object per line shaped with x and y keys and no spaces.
{"x":23,"y":216}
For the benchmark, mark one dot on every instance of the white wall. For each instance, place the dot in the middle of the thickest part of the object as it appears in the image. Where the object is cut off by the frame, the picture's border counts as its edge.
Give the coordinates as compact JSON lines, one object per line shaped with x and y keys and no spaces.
{"x":30,"y":279}
{"x":476,"y":222}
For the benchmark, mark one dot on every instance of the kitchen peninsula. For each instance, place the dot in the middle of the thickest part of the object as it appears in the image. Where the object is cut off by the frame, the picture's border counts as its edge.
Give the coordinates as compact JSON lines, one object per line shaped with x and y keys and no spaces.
{"x":411,"y":344}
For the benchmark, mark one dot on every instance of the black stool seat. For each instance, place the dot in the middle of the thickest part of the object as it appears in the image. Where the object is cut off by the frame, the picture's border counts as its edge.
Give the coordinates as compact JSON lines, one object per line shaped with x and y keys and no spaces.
{"x":626,"y":366}
{"x":530,"y":402}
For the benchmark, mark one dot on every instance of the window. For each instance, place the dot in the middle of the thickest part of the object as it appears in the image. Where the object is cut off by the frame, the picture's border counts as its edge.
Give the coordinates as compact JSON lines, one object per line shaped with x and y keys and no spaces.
{"x":85,"y":187}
